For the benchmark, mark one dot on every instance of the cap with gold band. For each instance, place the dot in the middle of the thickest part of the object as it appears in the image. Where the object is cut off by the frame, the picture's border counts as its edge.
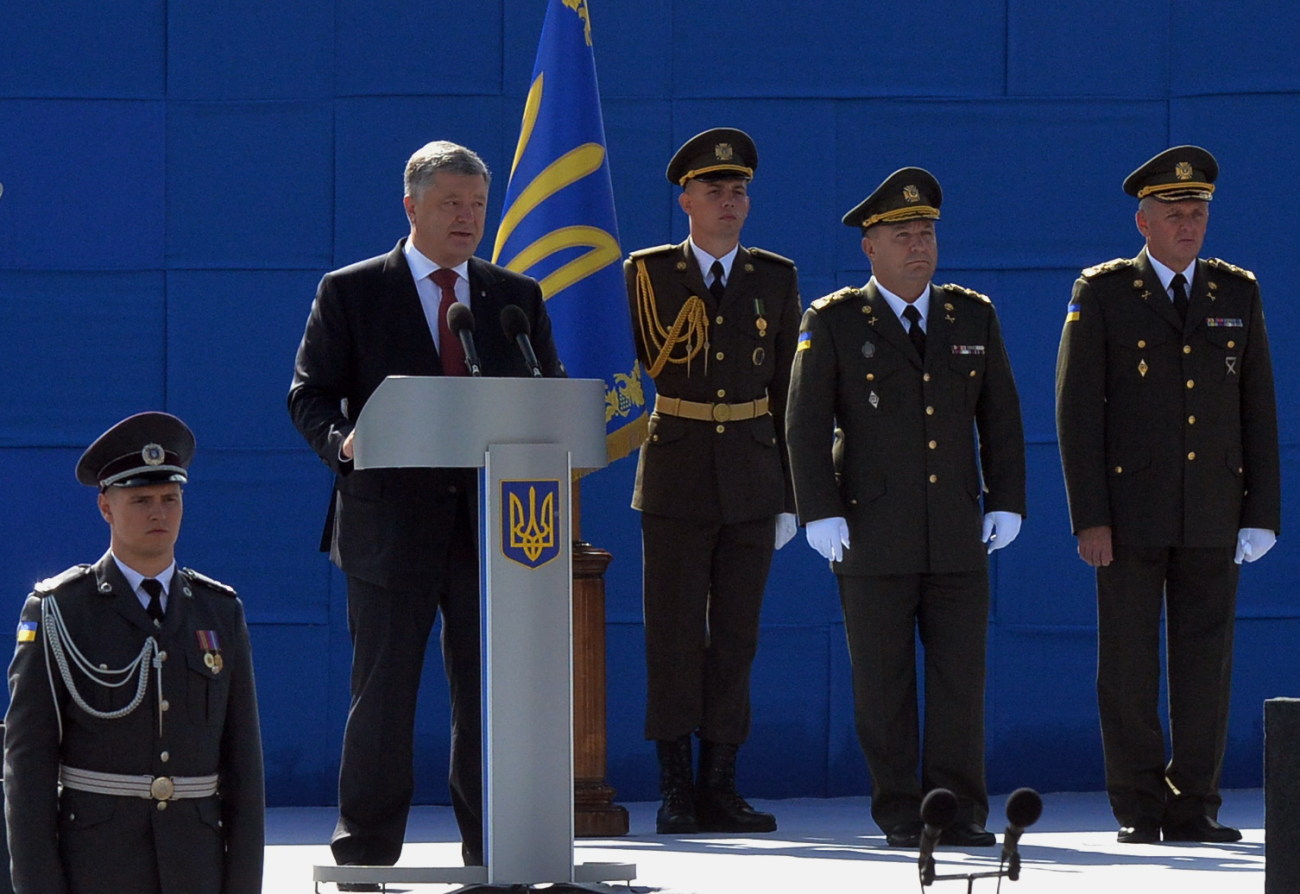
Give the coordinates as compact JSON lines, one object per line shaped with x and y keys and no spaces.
{"x":147,"y":448}
{"x":720,"y":153}
{"x":906,"y":194}
{"x":1175,"y":175}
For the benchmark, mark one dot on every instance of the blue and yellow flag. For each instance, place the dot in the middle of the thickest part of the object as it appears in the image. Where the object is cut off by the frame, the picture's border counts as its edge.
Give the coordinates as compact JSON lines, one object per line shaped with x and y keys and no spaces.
{"x":558,"y":224}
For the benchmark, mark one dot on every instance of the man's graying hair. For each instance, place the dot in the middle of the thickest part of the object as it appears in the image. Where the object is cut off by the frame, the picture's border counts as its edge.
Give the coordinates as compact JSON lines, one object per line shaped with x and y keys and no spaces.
{"x":441,"y":155}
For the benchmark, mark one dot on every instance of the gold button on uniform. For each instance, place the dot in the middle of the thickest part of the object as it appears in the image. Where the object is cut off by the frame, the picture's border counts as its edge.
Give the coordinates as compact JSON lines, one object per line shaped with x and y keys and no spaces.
{"x":934,"y":479}
{"x":165,"y":756}
{"x":165,"y":706}
{"x":1187,"y":349}
{"x":933,"y":444}
{"x":722,"y":392}
{"x":720,"y":429}
{"x":929,"y":411}
{"x":1119,"y":470}
{"x":1191,"y":383}
{"x":1142,"y":342}
{"x":1191,"y":420}
{"x":1191,"y":455}
{"x":718,"y":320}
{"x":925,"y":377}
{"x":719,"y":355}
{"x":162,"y":805}
{"x":1232,"y":344}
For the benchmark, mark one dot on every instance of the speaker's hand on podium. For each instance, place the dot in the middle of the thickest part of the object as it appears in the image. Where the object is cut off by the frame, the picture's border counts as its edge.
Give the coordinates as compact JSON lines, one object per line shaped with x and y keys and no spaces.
{"x":345,"y":449}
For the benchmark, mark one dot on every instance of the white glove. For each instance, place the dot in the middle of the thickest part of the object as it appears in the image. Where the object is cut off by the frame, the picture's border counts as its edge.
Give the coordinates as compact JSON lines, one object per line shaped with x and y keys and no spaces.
{"x":1252,"y":543}
{"x":1000,"y":528}
{"x":786,"y":525}
{"x":829,"y":536}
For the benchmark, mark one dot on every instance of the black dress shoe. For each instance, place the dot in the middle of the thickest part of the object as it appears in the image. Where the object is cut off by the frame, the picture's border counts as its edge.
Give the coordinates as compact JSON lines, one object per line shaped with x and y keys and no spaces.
{"x":905,"y":834}
{"x":357,"y":886}
{"x":1143,"y":831}
{"x":968,"y":834}
{"x":1202,"y":828}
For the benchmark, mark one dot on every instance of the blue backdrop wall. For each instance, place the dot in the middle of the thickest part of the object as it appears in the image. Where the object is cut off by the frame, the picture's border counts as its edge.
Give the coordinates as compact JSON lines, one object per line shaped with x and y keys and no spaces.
{"x":178,"y":175}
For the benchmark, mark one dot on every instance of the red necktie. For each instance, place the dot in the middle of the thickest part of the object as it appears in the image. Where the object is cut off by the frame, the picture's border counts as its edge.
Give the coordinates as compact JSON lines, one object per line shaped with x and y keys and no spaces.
{"x":449,"y":347}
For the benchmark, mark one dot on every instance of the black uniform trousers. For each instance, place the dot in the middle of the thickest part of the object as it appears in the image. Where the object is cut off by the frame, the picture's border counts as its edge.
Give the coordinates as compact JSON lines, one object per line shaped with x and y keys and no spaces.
{"x":703,"y":593}
{"x":883,"y":616}
{"x":1197,"y":589}
{"x":390,"y":630}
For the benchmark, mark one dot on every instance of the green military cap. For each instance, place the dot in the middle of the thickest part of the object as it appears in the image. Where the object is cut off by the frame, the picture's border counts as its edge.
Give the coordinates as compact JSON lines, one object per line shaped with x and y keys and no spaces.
{"x":147,"y":448}
{"x":1175,"y":175}
{"x":906,"y":194}
{"x":720,"y":153}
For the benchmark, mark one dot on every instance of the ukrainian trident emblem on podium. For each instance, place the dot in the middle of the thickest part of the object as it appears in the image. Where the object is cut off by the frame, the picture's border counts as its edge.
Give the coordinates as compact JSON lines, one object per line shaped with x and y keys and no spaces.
{"x":530,"y":521}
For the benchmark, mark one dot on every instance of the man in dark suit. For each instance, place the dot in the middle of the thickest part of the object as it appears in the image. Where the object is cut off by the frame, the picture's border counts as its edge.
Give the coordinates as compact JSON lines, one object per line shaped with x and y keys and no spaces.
{"x":1168,"y":435}
{"x":133,"y":755}
{"x":715,"y":328}
{"x":908,"y":371}
{"x":406,"y":538}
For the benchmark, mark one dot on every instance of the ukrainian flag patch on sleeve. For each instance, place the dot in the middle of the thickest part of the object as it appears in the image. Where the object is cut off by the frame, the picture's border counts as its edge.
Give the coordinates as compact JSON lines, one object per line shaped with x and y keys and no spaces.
{"x":1072,"y":313}
{"x":27,"y":631}
{"x":805,"y":341}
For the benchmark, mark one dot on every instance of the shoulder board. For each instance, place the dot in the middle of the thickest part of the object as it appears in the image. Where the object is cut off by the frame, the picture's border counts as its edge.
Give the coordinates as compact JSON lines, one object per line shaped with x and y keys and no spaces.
{"x":211,"y":583}
{"x":1108,"y":267}
{"x":50,"y":584}
{"x":969,"y":293}
{"x":1218,"y":264}
{"x":646,"y":252}
{"x":836,"y":297}
{"x":766,"y":255}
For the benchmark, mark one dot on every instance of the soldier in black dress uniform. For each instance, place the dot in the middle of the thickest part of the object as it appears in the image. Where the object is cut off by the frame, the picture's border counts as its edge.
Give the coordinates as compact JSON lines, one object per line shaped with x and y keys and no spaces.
{"x":133,"y":756}
{"x":715,"y":325}
{"x":909,"y":372}
{"x":1168,"y":436}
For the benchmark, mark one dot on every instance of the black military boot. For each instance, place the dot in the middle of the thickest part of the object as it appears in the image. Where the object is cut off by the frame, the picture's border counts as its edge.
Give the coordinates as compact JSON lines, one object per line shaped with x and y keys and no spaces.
{"x":677,"y":813}
{"x":718,"y":806}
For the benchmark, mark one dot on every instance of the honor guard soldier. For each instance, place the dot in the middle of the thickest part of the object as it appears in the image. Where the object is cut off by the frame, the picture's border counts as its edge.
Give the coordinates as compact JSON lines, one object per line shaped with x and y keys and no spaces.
{"x":889,"y":382}
{"x":132,"y":753}
{"x":715,"y":326}
{"x":1168,"y":434}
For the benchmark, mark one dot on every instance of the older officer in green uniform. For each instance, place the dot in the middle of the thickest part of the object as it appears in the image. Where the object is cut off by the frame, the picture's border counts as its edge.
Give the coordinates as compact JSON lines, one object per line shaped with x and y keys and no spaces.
{"x":1168,"y":435}
{"x":133,"y":757}
{"x":909,"y":372}
{"x":715,"y":325}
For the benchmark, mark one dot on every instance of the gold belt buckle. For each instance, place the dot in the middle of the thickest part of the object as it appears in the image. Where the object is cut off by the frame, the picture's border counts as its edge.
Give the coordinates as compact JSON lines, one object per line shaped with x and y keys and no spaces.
{"x":162,"y":788}
{"x":721,"y":412}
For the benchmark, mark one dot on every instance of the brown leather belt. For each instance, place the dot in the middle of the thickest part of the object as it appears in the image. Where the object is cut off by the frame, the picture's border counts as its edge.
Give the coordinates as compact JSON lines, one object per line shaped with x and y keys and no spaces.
{"x":704,"y":412}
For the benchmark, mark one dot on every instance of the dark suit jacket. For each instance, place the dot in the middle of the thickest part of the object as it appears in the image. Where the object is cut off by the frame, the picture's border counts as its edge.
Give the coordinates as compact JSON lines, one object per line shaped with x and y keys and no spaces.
{"x":701,"y":470}
{"x":386,"y":525}
{"x":906,"y":473}
{"x":1168,"y":431}
{"x":86,"y":842}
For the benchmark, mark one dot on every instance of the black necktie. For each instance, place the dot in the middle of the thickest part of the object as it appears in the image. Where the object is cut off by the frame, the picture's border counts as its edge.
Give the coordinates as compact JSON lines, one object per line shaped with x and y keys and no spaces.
{"x":1179,"y":286}
{"x":154,"y":589}
{"x":716,"y":287}
{"x":914,"y":330}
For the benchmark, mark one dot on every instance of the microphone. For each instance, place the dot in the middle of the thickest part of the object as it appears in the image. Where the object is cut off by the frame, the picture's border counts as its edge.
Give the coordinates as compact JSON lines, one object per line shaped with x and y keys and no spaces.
{"x":1024,"y":807}
{"x":517,"y":328}
{"x":938,"y":811}
{"x":460,"y":320}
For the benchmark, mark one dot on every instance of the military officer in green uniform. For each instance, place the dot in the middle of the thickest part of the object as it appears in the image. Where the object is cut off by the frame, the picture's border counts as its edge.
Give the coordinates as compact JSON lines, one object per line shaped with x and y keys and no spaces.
{"x":891,"y":383}
{"x":715,"y":325}
{"x":1168,"y":435}
{"x":132,"y":752}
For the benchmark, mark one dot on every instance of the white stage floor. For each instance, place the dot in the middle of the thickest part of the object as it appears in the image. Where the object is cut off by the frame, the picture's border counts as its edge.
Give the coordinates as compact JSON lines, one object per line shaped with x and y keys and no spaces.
{"x":832,"y":846}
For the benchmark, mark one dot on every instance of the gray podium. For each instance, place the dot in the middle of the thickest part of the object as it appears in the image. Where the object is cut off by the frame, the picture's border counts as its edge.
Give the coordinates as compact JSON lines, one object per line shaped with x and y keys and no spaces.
{"x":526,"y":436}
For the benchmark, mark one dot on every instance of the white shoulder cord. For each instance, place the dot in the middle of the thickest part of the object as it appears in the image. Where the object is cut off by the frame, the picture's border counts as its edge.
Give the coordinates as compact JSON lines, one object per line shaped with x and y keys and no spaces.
{"x":56,"y":637}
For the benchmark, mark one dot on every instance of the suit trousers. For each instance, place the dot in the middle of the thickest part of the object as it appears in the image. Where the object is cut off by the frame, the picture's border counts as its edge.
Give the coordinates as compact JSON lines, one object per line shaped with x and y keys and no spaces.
{"x":390,"y":630}
{"x":1197,"y":589}
{"x":703,"y":585}
{"x":883,"y":616}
